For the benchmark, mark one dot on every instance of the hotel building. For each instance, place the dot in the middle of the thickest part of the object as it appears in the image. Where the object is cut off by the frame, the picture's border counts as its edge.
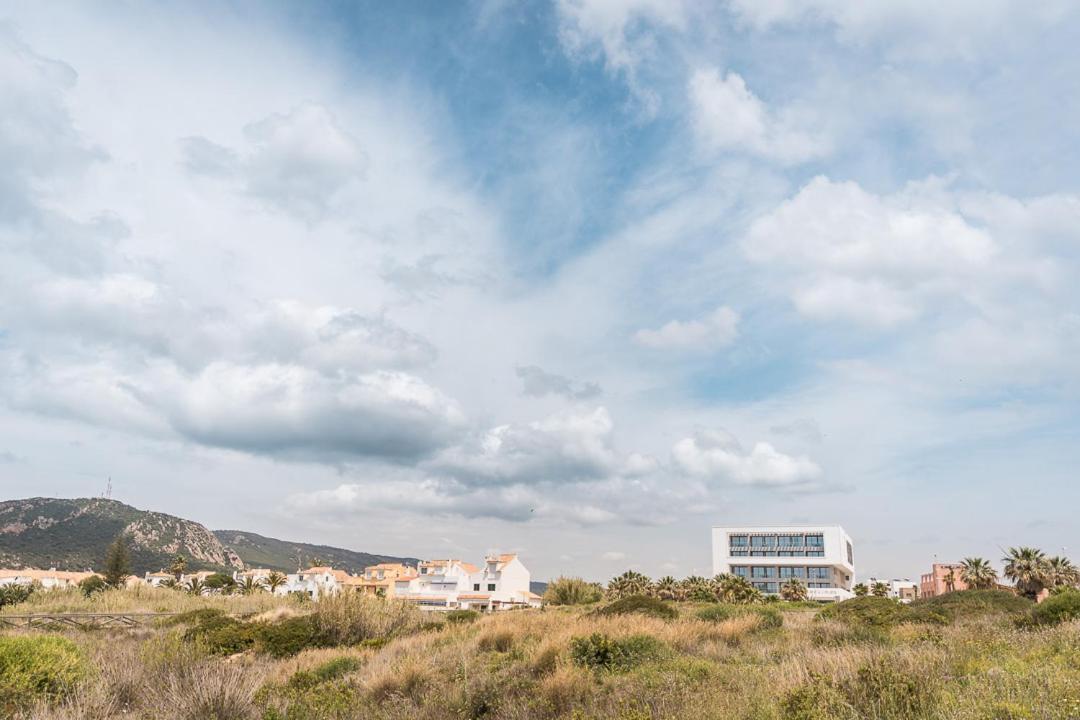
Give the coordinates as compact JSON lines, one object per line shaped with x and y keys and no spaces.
{"x":819,"y":556}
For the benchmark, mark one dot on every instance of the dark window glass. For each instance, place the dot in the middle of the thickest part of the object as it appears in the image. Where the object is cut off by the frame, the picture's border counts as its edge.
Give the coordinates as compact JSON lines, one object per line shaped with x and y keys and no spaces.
{"x":739,"y":540}
{"x":491,"y":586}
{"x":476,"y":587}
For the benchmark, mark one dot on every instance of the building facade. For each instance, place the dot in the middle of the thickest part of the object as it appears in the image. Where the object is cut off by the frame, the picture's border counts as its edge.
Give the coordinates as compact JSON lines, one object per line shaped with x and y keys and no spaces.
{"x":903,"y":590}
{"x":820,"y":556}
{"x":501,"y":583}
{"x":46,"y":579}
{"x":942,"y":578}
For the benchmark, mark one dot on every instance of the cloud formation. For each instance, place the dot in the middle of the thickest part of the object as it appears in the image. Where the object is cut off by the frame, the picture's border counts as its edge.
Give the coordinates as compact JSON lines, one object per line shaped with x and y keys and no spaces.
{"x":537,"y":382}
{"x":715,"y":330}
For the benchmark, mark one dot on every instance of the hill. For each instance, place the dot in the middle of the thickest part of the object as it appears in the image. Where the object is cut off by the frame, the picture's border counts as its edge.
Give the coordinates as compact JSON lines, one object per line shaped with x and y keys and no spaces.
{"x":259,"y":551}
{"x":73,"y":534}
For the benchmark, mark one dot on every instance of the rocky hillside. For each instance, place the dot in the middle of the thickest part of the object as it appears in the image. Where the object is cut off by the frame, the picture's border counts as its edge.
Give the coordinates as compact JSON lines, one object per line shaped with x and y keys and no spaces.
{"x":74,"y":535}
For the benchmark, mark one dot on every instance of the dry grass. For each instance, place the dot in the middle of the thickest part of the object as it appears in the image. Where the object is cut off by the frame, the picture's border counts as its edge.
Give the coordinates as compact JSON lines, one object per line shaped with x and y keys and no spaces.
{"x":518,"y":666}
{"x":145,"y":599}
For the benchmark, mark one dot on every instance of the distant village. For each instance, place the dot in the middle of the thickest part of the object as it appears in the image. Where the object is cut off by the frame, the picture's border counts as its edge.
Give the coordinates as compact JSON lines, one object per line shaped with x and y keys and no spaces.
{"x":500,"y":583}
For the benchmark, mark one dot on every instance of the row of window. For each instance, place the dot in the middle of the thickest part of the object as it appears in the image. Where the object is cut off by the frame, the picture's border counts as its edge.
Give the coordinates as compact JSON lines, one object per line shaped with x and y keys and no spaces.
{"x":772,"y":587}
{"x":775,"y":540}
{"x":768,"y":571}
{"x":476,"y":587}
{"x":777,"y":553}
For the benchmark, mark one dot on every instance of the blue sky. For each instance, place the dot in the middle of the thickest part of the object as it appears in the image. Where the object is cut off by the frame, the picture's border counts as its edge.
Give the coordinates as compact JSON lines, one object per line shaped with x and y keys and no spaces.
{"x":578,"y":279}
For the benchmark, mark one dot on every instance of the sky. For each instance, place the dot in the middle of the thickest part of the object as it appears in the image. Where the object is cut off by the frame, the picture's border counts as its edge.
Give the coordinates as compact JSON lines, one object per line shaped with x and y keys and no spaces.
{"x":578,"y":279}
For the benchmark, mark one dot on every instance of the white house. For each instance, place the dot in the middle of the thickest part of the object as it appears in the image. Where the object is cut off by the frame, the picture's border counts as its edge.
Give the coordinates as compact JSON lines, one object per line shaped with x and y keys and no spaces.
{"x":500,"y":584}
{"x":819,"y":556}
{"x":903,"y":590}
{"x":52,"y":579}
{"x":315,"y":582}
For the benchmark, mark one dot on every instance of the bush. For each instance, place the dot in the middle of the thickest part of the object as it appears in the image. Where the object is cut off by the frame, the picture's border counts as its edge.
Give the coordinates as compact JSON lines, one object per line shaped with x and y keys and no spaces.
{"x":462,"y":616}
{"x":288,"y":637}
{"x":601,"y":652}
{"x":222,"y":635}
{"x":572,"y":591}
{"x":946,"y":608}
{"x":350,"y":618}
{"x":1058,"y":608}
{"x":15,"y":594}
{"x":640,"y":605}
{"x":715,"y":613}
{"x":330,"y":670}
{"x":38,"y":667}
{"x":770,"y":618}
{"x":92,"y":585}
{"x":869,"y":610}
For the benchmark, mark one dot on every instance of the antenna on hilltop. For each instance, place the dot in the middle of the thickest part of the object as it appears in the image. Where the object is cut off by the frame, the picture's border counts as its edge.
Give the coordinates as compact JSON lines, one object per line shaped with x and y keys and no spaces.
{"x":108,"y":490}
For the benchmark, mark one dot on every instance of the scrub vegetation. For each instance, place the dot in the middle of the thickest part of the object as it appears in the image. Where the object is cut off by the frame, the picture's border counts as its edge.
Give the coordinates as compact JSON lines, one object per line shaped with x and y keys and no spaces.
{"x":964,"y":655}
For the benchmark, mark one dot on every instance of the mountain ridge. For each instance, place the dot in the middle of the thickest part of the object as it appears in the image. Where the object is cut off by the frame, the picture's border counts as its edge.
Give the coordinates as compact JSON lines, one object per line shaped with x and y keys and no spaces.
{"x":74,"y":533}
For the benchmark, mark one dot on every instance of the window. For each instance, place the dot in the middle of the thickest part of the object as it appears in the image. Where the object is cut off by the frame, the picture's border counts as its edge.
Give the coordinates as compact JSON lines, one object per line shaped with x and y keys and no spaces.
{"x":797,"y":539}
{"x":770,"y":541}
{"x":823,"y":573}
{"x":739,"y":540}
{"x":757,"y":541}
{"x":815,"y":553}
{"x":491,"y":587}
{"x":784,"y":553}
{"x":741,"y":570}
{"x":766,"y":587}
{"x":476,"y":587}
{"x":815,"y":540}
{"x":784,"y":541}
{"x":739,"y":553}
{"x":850,"y":555}
{"x":760,"y":571}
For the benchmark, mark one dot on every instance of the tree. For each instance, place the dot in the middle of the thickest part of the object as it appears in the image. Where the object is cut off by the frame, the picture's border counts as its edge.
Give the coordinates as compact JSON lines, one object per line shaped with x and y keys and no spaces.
{"x":195,"y":586}
{"x":1028,"y":568}
{"x":250,"y":586}
{"x":117,"y":562}
{"x":977,"y":573}
{"x":14,"y":594}
{"x":697,"y":589}
{"x":220,"y":582}
{"x":572,"y":591}
{"x":179,"y":565}
{"x":1060,"y":572}
{"x":667,"y":588}
{"x":860,"y":590}
{"x":275,"y":580}
{"x":629,"y":583}
{"x":171,"y":584}
{"x":91,"y":585}
{"x":879,"y":589}
{"x":950,"y":581}
{"x":794,"y":590}
{"x":735,"y":589}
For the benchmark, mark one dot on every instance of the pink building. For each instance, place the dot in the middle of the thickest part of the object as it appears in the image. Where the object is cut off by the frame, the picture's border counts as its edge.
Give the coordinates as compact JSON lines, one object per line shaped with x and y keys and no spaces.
{"x":942,"y":578}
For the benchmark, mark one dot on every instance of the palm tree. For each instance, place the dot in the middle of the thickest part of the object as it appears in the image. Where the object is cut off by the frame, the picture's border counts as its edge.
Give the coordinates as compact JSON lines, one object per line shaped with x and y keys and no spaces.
{"x":1060,"y":572}
{"x":860,"y":590}
{"x":950,"y":581}
{"x":879,"y":589}
{"x":977,"y":573}
{"x":250,"y":586}
{"x":666,"y":588}
{"x":275,"y":580}
{"x":793,"y":590}
{"x":1028,"y":568}
{"x":179,"y":565}
{"x":697,"y":588}
{"x":171,"y":583}
{"x":629,"y":583}
{"x":735,"y":589}
{"x":195,"y":586}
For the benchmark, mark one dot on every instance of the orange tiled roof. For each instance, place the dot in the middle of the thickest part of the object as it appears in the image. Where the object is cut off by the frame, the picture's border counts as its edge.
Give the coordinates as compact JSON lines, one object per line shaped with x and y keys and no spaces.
{"x":469,"y":568}
{"x":34,"y":574}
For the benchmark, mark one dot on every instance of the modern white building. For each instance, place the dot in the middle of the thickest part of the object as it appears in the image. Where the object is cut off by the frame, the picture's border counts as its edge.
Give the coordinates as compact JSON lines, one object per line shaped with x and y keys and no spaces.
{"x":903,"y":590}
{"x":501,"y":583}
{"x":820,"y":556}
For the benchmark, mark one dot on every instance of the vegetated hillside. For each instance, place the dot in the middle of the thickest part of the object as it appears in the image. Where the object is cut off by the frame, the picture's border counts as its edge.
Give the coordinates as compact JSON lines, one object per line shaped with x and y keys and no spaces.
{"x":73,"y":534}
{"x":259,"y":551}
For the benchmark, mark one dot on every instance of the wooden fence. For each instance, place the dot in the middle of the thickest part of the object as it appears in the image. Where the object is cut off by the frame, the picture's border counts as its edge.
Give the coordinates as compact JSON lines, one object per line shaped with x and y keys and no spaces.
{"x":83,"y":620}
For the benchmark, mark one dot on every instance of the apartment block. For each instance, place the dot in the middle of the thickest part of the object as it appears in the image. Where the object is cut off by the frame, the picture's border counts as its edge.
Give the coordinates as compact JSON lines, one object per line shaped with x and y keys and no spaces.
{"x":942,"y":578}
{"x":820,"y":556}
{"x":501,"y":583}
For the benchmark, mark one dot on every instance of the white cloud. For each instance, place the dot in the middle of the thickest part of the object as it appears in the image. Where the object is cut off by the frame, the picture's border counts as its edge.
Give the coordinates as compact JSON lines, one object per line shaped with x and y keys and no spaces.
{"x":719,"y":456}
{"x":728,"y":117}
{"x":717,"y":329}
{"x":537,"y":382}
{"x":848,"y":253}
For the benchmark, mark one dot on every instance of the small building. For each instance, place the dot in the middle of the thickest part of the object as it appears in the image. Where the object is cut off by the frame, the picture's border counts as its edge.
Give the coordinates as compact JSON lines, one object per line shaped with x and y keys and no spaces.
{"x":942,"y":578}
{"x":903,"y":590}
{"x":51,"y":579}
{"x":380,"y":580}
{"x":820,"y":556}
{"x":502,"y":583}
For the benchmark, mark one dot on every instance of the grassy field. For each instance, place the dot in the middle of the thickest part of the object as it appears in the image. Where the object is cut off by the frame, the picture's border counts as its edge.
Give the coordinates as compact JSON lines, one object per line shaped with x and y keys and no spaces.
{"x":975,"y":656}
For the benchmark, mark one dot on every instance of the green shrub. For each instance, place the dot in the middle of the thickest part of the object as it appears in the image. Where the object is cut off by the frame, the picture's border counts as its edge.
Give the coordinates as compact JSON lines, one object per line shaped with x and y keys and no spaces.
{"x":38,"y":667}
{"x":572,"y":591}
{"x":715,"y":613}
{"x":92,"y":585}
{"x":330,"y":670}
{"x":601,"y":652}
{"x":350,"y":618}
{"x":640,"y":605}
{"x":462,"y":616}
{"x":288,"y":637}
{"x":1058,"y":608}
{"x":869,"y":610}
{"x":948,"y":607}
{"x":15,"y":594}
{"x":193,"y":617}
{"x":881,"y":689}
{"x":222,"y":635}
